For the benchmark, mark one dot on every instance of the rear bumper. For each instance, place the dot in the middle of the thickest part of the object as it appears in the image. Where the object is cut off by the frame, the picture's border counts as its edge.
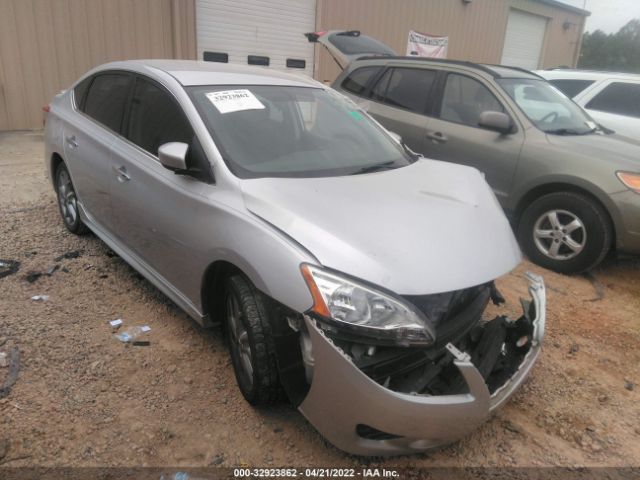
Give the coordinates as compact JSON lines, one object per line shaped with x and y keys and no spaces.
{"x":341,"y":397}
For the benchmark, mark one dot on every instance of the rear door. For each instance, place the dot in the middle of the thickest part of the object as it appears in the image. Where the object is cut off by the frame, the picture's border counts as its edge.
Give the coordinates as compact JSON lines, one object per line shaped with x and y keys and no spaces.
{"x":454,"y":134}
{"x":347,"y":46}
{"x":399,"y":101}
{"x":100,"y":103}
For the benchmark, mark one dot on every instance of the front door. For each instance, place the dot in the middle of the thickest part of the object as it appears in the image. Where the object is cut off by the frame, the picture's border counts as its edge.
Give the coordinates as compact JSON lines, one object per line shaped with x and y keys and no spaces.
{"x":454,"y":134}
{"x":156,"y":210}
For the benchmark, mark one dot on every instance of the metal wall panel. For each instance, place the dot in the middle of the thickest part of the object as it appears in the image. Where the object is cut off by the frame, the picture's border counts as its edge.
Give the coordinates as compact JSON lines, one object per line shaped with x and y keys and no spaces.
{"x":47,"y":44}
{"x":476,"y":30}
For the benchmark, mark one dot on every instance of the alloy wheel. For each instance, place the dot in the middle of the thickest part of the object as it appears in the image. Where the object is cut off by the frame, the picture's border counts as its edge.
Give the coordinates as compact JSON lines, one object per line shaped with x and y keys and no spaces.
{"x":67,"y":198}
{"x":560,"y":234}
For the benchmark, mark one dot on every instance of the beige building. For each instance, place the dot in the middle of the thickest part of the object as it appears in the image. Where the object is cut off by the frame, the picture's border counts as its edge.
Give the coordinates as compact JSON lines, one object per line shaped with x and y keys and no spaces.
{"x":46,"y":44}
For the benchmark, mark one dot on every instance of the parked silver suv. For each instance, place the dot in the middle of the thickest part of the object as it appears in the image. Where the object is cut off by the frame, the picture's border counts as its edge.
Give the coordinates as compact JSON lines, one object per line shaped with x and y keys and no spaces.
{"x":571,"y":187}
{"x":346,"y":270}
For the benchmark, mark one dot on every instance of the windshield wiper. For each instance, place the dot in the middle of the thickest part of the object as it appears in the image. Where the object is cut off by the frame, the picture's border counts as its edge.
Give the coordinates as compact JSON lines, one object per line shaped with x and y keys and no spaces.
{"x":569,"y":131}
{"x":375,"y":167}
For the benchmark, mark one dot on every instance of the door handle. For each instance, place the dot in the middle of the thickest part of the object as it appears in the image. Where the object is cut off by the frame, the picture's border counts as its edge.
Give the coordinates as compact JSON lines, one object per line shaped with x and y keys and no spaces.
{"x":71,"y":140}
{"x":121,"y":174}
{"x":437,"y":137}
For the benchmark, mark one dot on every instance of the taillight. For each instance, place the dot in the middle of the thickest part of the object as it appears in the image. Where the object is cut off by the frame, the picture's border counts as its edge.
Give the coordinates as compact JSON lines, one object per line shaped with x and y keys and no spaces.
{"x":45,"y":110}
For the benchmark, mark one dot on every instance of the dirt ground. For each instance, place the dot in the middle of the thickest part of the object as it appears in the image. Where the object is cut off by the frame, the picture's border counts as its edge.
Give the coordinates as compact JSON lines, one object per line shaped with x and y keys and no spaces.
{"x":85,"y":399}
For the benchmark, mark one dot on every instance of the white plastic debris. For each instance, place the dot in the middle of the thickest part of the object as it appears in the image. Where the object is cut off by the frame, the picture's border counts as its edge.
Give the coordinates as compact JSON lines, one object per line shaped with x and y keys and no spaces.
{"x":115,"y":323}
{"x":132,"y":334}
{"x":40,"y":298}
{"x":4,"y":361}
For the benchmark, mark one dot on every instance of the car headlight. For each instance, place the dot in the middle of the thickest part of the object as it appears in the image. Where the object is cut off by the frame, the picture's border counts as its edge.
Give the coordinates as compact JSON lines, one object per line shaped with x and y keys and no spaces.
{"x":630,"y":180}
{"x":365,"y":310}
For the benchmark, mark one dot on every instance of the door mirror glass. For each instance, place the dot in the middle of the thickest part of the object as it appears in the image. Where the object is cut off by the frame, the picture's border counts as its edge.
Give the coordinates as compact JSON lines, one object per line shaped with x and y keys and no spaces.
{"x":173,"y":155}
{"x":497,"y":121}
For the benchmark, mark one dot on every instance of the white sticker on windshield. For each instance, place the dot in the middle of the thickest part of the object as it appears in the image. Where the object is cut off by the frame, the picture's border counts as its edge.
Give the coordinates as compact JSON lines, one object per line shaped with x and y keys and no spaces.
{"x":234,"y":100}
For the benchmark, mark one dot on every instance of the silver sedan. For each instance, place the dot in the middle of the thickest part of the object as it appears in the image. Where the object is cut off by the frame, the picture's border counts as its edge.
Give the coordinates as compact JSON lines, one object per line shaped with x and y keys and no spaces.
{"x":348,"y":272}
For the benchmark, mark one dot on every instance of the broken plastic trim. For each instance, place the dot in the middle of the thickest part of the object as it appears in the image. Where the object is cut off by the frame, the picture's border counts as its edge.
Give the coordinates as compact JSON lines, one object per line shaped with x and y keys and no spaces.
{"x":342,"y":397}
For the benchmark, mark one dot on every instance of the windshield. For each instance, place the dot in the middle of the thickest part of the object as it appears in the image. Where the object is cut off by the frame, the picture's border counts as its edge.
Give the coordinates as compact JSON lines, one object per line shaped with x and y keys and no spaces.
{"x":278,"y":131}
{"x":549,"y":109}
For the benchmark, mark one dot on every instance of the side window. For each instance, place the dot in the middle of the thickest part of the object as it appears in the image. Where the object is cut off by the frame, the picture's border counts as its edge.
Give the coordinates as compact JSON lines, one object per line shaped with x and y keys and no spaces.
{"x":380,"y":89}
{"x":106,"y":99}
{"x":407,"y":88}
{"x":155,"y":118}
{"x":357,"y":80}
{"x":464,"y":99}
{"x":79,"y":92}
{"x":571,"y":87}
{"x":618,"y":97}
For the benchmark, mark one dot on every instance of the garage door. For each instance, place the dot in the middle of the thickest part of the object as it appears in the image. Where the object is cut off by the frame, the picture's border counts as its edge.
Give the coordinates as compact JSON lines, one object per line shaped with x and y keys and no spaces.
{"x":523,"y":40}
{"x":257,"y":32}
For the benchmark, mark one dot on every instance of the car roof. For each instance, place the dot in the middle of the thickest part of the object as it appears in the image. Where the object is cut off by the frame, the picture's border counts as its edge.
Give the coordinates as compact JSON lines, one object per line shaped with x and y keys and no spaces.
{"x":574,"y":74}
{"x":496,"y":71}
{"x":194,"y":72}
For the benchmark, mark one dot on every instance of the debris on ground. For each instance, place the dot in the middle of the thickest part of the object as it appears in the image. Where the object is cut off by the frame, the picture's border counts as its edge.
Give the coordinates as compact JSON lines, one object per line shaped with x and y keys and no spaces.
{"x":8,"y":267}
{"x":40,"y":298}
{"x":115,"y":323}
{"x":32,"y":276}
{"x":597,"y":286}
{"x":4,"y":360}
{"x":629,"y":385}
{"x":69,"y":255}
{"x":12,"y":376}
{"x":574,"y":348}
{"x":132,"y":334}
{"x":52,"y":270}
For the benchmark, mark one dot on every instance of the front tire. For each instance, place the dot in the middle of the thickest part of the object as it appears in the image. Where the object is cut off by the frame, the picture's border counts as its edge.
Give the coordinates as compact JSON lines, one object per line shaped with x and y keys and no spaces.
{"x":566,"y":232}
{"x":250,"y":342}
{"x":68,"y":201}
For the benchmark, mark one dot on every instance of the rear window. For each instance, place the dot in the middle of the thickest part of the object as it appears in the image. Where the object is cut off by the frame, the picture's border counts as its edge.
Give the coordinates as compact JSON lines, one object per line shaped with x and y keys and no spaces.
{"x":79,"y":92}
{"x":571,"y":87}
{"x":106,"y":99}
{"x":360,"y":44}
{"x":407,"y":88}
{"x":620,"y":98}
{"x":357,"y":81}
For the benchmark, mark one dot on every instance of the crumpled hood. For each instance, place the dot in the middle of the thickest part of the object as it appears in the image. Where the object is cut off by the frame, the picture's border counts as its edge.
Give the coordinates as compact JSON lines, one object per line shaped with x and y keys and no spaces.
{"x":426,"y":228}
{"x":623,"y":151}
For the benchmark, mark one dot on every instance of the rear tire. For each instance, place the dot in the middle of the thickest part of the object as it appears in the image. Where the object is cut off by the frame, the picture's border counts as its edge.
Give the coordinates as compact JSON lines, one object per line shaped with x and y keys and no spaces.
{"x":566,"y":232}
{"x":250,"y":342}
{"x":68,"y":201}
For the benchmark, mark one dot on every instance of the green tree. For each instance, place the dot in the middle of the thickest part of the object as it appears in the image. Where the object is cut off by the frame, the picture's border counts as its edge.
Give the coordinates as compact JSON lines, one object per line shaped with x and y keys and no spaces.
{"x":615,"y":51}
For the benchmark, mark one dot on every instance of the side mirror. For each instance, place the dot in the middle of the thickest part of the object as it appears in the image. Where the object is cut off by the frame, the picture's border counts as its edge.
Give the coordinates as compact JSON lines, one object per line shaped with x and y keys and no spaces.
{"x":396,"y":137}
{"x":497,"y":121}
{"x":173,"y":155}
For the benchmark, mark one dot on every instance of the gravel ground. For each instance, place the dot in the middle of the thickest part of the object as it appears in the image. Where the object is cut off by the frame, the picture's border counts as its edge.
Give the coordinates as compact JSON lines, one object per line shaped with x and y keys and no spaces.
{"x":84,"y":399}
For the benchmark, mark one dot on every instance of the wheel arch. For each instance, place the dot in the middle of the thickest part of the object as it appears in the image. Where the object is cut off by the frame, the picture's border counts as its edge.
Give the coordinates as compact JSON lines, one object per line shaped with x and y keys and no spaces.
{"x":55,"y":160}
{"x":212,"y":289}
{"x":540,"y":190}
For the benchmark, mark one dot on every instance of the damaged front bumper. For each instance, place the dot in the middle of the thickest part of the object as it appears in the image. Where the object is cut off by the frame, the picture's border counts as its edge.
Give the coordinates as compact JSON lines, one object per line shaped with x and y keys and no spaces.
{"x":343,"y":403}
